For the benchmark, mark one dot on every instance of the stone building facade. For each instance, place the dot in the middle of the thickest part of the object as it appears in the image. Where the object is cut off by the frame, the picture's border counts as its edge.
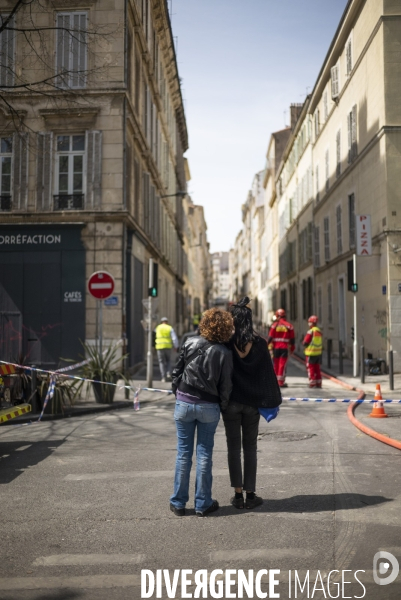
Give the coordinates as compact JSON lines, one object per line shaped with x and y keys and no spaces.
{"x":342,"y":158}
{"x":197,"y":272}
{"x":97,"y":175}
{"x":347,"y":146}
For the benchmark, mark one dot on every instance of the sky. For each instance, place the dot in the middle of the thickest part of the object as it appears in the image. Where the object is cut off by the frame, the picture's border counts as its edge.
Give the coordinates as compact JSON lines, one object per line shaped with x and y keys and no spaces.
{"x":242,"y":63}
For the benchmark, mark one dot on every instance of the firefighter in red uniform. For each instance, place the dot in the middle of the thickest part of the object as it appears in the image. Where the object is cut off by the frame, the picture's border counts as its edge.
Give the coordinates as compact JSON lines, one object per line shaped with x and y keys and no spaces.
{"x":313,"y":343}
{"x":282,"y":337}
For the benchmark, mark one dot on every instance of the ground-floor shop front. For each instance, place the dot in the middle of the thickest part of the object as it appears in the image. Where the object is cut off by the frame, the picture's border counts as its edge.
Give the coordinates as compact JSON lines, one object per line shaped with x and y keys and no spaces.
{"x":46,"y":311}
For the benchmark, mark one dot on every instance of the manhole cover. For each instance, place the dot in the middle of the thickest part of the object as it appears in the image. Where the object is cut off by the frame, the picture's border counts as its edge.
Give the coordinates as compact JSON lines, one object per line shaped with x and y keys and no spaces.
{"x":286,"y":436}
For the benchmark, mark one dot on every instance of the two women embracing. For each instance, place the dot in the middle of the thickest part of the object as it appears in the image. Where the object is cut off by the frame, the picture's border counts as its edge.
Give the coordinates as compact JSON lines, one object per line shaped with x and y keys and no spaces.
{"x":225,"y":370}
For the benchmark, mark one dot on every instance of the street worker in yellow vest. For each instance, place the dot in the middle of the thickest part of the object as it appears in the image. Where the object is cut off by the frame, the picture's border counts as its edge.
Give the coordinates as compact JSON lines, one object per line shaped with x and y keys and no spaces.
{"x":166,"y":339}
{"x":196,"y":320}
{"x":313,"y":342}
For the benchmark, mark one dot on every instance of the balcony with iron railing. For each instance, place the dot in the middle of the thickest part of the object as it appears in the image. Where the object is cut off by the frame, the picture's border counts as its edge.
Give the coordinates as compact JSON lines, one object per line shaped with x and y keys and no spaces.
{"x":68,"y":202}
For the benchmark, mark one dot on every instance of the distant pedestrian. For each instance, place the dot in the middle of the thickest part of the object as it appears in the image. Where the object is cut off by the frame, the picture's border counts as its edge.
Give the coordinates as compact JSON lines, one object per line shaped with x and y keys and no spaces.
{"x":202,"y":385}
{"x":196,"y":320}
{"x":254,"y":387}
{"x":313,"y":342}
{"x":166,"y":340}
{"x":282,"y":337}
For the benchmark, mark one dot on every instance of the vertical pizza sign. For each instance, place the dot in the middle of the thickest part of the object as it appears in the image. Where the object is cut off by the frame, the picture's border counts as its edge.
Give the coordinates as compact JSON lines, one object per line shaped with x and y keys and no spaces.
{"x":363,"y":235}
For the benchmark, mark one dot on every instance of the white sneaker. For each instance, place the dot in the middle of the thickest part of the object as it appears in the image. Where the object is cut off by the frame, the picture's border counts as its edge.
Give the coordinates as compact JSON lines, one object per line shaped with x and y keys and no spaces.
{"x":163,"y":380}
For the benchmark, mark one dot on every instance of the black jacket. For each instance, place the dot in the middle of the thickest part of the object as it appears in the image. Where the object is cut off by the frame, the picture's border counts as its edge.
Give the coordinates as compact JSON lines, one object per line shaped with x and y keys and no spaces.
{"x":254,"y":380}
{"x":208,"y":375}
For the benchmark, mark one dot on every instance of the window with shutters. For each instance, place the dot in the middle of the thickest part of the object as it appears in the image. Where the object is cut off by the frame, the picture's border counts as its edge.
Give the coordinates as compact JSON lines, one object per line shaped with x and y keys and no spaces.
{"x":330,"y":303}
{"x":69,"y":175}
{"x":317,"y":246}
{"x":146,"y":201}
{"x":319,"y":304}
{"x":7,"y":52}
{"x":351,"y":219}
{"x":309,"y":251}
{"x":292,"y":288}
{"x":325,"y":106}
{"x":326,"y":231}
{"x":338,"y":153}
{"x":317,"y":183}
{"x":352,"y":135}
{"x":335,"y":82}
{"x":327,"y":169}
{"x":317,"y":123}
{"x":20,"y":170}
{"x":6,"y":155}
{"x":137,"y":192}
{"x":348,"y":56}
{"x":71,"y":54}
{"x":339,"y":230}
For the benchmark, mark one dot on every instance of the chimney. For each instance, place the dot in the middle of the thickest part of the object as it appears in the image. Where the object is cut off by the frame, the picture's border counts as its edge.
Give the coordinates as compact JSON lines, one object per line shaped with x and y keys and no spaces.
{"x":295,"y":110}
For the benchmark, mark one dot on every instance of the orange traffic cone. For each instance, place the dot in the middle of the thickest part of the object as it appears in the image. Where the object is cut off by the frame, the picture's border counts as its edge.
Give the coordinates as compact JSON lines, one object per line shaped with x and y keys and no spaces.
{"x":378,"y":408}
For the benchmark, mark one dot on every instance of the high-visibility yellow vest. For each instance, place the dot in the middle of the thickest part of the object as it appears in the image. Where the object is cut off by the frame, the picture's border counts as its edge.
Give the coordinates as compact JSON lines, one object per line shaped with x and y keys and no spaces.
{"x":315,"y":348}
{"x":163,"y":336}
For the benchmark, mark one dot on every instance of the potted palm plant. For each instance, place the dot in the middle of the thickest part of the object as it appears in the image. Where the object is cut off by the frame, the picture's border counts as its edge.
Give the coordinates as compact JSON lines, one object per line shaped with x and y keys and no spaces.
{"x":102,"y":370}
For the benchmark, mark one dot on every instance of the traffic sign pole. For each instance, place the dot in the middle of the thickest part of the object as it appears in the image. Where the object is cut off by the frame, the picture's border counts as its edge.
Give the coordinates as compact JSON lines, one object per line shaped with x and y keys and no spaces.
{"x":101,"y":286}
{"x":100,"y":303}
{"x":355,"y":343}
{"x":149,"y":357}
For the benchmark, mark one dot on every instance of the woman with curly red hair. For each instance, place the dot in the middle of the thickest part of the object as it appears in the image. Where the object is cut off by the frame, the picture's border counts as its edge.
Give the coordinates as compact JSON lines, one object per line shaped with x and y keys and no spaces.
{"x":202,"y":385}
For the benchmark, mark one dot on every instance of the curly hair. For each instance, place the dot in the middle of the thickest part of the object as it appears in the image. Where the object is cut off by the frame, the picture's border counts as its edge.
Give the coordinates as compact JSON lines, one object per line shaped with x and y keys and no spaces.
{"x":216,"y":325}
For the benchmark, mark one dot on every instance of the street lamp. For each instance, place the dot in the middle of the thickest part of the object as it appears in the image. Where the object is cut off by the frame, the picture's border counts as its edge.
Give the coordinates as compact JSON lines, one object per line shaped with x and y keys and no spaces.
{"x":179,"y":193}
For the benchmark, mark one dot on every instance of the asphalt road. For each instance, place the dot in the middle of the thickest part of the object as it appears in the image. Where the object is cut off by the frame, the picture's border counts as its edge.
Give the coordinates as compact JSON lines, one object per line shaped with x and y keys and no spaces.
{"x":85,"y":504}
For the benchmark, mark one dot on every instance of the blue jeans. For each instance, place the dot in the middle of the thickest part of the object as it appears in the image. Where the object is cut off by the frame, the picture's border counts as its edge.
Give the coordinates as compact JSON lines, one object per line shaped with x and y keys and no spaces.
{"x":190,"y":417}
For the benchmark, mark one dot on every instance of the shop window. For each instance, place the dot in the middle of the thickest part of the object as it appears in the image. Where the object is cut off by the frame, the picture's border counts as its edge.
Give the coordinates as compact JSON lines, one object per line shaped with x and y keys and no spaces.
{"x":69,"y":180}
{"x":71,"y":52}
{"x":6,"y":153}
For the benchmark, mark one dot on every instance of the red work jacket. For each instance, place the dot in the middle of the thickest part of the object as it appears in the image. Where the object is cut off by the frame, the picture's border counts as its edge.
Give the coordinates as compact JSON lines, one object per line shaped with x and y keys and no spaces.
{"x":282,"y":335}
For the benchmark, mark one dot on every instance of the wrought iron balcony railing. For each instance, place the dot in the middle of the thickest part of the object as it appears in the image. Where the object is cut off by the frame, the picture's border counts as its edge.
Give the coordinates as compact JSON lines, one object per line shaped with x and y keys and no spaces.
{"x":69,"y":202}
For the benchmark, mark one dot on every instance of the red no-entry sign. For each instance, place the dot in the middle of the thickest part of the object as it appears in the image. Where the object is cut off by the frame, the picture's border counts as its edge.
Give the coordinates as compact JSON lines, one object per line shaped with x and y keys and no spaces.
{"x":101,"y":285}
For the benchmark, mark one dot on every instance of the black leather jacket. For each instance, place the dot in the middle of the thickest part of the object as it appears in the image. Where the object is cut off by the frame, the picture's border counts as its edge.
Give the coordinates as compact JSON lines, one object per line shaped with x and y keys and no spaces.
{"x":208,"y":374}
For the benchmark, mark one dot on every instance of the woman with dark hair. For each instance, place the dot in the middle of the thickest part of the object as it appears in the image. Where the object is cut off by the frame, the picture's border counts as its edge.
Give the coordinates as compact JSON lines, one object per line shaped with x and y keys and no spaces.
{"x":254,"y":387}
{"x":202,"y":385}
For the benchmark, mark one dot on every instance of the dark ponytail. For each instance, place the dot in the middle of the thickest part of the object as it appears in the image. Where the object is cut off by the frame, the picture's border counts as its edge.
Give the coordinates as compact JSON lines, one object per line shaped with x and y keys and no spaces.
{"x":244,"y":332}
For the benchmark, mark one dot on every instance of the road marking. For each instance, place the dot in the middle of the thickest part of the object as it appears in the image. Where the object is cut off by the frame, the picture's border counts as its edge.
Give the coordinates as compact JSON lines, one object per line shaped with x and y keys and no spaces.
{"x":80,"y":582}
{"x":23,"y":448}
{"x":224,"y":556}
{"x":88,"y":559}
{"x":319,"y":470}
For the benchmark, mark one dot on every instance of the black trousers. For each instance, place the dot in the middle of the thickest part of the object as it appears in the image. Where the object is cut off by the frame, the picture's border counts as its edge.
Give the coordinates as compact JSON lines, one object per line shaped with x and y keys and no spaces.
{"x":241,"y":423}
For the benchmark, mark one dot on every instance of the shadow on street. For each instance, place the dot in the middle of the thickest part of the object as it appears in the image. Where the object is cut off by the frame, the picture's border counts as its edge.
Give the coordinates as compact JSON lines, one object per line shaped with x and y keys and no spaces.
{"x":52,"y":595}
{"x":15,"y":457}
{"x":306,"y":504}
